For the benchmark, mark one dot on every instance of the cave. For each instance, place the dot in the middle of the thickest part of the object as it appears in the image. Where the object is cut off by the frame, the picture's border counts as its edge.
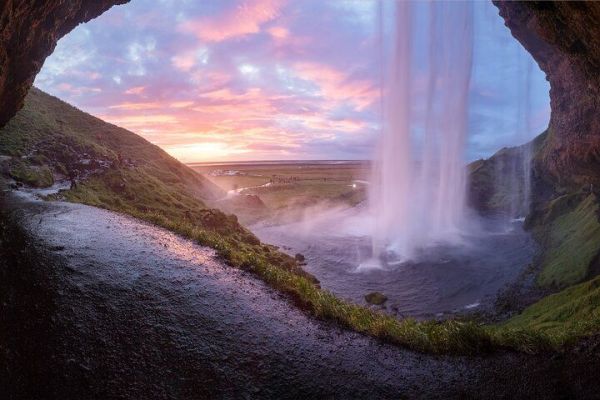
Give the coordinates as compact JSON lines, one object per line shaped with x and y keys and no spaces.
{"x":563,"y":38}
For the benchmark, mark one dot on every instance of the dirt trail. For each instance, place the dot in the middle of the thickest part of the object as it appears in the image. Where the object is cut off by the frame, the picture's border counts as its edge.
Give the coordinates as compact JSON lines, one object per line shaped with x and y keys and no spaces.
{"x":123,"y":309}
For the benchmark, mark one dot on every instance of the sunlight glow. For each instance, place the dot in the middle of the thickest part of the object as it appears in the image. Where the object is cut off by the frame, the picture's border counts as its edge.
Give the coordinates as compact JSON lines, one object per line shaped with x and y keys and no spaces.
{"x":206,"y":151}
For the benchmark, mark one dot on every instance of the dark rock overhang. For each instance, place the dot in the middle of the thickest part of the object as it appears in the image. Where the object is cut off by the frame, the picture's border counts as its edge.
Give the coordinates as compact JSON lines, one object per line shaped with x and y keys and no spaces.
{"x":29,"y":30}
{"x":564,"y":39}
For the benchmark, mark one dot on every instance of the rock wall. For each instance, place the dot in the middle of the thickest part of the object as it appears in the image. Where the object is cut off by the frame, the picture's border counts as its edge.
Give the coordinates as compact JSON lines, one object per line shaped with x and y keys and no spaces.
{"x":29,"y":30}
{"x":564,"y":39}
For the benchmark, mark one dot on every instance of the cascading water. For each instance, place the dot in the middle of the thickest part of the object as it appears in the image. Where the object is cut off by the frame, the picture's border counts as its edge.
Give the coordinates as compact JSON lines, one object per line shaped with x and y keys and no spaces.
{"x":418,"y":190}
{"x":523,"y":132}
{"x":513,"y":169}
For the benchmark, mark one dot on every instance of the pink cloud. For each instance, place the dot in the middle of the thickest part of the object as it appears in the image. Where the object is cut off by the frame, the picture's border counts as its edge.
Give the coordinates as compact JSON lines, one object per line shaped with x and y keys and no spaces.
{"x":136,"y":106}
{"x":278,"y":32}
{"x":185,"y":61}
{"x":135,"y":90}
{"x":77,"y":91}
{"x":245,"y":19}
{"x":337,"y":85}
{"x":272,"y":146}
{"x":181,"y":104}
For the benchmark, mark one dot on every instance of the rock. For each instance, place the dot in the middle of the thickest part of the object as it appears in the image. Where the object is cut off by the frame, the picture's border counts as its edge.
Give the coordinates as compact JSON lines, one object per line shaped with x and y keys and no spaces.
{"x":247,"y":201}
{"x":300,"y":258}
{"x":29,"y":31}
{"x":492,"y":187}
{"x":376,"y":298}
{"x":564,"y":39}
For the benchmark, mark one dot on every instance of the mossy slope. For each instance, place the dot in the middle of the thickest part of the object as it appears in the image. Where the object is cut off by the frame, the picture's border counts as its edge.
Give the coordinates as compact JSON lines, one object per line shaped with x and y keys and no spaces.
{"x":571,"y":239}
{"x":118,"y":170}
{"x":565,"y":316}
{"x":52,"y":133}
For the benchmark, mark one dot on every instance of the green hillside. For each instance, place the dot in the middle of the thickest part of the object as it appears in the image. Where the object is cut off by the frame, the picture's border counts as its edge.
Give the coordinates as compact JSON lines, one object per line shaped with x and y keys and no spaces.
{"x":113,"y":168}
{"x":49,"y":132}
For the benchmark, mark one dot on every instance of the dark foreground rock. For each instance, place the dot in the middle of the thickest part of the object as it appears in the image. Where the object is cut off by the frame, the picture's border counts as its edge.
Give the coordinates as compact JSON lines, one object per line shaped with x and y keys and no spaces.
{"x":29,"y":30}
{"x":126,"y":310}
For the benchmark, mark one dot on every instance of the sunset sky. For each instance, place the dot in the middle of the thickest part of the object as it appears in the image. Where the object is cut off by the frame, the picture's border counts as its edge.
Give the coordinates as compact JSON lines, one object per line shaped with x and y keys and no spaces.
{"x":269,"y":79}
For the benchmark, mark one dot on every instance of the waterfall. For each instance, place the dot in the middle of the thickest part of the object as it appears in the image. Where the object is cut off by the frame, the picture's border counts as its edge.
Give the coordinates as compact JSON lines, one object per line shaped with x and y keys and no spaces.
{"x":513,"y":168}
{"x":418,"y":190}
{"x":524,"y":134}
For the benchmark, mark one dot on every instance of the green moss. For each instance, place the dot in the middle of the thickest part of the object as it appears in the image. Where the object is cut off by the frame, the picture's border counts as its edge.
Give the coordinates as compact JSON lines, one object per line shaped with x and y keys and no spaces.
{"x":36,"y":176}
{"x":563,"y":317}
{"x":572,"y":239}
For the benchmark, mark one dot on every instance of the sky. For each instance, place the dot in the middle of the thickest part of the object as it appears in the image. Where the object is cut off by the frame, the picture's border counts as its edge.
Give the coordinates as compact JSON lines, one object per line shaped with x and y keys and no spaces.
{"x":233,"y":80}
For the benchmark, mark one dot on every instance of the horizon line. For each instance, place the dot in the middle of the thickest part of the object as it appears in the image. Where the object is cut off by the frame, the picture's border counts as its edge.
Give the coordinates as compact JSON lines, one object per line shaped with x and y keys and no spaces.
{"x":275,"y":161}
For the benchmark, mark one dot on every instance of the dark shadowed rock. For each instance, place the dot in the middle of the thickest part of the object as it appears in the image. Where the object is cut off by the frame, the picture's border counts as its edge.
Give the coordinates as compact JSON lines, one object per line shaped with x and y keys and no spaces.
{"x":564,"y":39}
{"x":29,"y":30}
{"x":497,"y":184}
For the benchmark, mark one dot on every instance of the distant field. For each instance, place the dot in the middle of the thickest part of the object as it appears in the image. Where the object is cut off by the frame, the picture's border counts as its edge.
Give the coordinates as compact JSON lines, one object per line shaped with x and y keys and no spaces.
{"x":292,"y":185}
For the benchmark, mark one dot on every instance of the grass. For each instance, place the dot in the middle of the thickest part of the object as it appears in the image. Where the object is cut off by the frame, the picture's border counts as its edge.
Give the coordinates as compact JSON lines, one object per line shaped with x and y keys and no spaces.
{"x":305,"y":183}
{"x":292,"y":188}
{"x":563,"y":317}
{"x":31,"y":175}
{"x":573,"y":242}
{"x":139,"y":179}
{"x":240,"y":249}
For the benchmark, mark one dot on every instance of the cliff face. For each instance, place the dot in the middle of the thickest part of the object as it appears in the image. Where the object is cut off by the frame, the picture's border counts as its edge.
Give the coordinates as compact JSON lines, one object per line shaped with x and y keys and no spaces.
{"x":564,"y":39}
{"x":29,"y":30}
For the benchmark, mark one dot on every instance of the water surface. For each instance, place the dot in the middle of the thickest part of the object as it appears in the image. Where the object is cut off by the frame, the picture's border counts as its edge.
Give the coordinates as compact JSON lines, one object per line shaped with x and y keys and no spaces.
{"x":443,"y":278}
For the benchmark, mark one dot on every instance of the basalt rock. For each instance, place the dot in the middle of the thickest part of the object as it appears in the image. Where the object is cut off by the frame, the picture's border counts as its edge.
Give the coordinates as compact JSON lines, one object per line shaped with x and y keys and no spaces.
{"x":564,"y":39}
{"x":29,"y":30}
{"x":376,"y":298}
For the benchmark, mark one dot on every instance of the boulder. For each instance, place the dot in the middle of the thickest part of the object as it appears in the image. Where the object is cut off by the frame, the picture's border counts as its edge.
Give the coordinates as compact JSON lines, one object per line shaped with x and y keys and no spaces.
{"x":376,"y":298}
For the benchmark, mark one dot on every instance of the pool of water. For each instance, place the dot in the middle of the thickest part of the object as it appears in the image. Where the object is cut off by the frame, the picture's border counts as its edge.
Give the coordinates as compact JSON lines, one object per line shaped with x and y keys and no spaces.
{"x":442,"y":279}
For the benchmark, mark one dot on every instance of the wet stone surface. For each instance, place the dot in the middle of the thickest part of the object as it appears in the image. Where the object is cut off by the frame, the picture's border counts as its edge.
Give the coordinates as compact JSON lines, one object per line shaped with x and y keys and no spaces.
{"x":132,"y":311}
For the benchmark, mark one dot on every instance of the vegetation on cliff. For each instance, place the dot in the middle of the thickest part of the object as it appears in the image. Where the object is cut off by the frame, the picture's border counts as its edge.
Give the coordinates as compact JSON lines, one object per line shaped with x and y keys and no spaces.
{"x":565,"y":221}
{"x":565,"y":316}
{"x":572,"y":239}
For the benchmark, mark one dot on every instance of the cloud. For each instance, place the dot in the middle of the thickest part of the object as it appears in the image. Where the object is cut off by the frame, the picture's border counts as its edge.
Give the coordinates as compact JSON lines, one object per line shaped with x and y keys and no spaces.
{"x":136,"y":106}
{"x":245,"y":19}
{"x":337,"y":85}
{"x":135,"y":90}
{"x":263,"y":79}
{"x":279,"y":32}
